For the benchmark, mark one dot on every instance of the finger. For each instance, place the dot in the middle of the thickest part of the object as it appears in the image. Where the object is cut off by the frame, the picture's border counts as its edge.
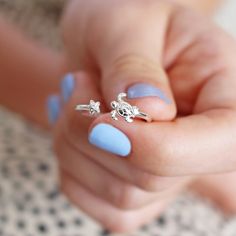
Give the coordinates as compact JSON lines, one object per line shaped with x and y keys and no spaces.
{"x":102,"y":182}
{"x":74,"y":127}
{"x":189,"y":75}
{"x":130,"y":60}
{"x":110,"y":217}
{"x":191,"y":145}
{"x":79,"y":89}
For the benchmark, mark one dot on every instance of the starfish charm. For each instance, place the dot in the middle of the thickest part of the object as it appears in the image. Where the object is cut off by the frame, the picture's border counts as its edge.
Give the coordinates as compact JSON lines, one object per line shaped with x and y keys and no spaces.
{"x":94,"y":107}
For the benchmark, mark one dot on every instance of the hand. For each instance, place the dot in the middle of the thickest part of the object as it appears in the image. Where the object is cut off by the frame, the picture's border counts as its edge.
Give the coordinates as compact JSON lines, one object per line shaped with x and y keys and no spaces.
{"x":149,"y":40}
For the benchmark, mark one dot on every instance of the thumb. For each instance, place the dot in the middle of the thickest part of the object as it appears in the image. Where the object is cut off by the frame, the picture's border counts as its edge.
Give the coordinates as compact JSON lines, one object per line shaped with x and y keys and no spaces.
{"x":133,"y":64}
{"x":147,"y":88}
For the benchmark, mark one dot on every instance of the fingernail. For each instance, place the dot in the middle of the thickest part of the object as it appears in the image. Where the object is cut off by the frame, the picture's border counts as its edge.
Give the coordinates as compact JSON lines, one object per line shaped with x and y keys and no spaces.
{"x":54,"y":108}
{"x":111,"y":139}
{"x":67,"y":87}
{"x":146,"y":90}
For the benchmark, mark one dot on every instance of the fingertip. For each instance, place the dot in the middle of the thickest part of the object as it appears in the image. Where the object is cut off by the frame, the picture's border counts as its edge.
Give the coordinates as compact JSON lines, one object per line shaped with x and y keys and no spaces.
{"x":144,"y":90}
{"x":156,"y":108}
{"x":53,"y":108}
{"x":67,"y":87}
{"x":111,"y":139}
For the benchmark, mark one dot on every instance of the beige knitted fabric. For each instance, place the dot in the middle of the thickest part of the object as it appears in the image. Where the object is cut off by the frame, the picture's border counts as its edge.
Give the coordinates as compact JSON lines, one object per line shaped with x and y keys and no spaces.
{"x":37,"y":18}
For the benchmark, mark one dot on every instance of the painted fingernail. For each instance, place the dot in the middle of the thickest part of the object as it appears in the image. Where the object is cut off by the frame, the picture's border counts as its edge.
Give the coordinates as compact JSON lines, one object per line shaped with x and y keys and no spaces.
{"x":67,"y":87}
{"x":111,"y":139}
{"x":54,"y":108}
{"x":146,"y":90}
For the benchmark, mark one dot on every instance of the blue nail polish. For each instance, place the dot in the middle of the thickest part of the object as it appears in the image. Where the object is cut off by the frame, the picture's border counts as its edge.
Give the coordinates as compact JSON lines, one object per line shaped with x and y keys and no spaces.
{"x":67,"y":87}
{"x":111,"y":139}
{"x":146,"y":90}
{"x":54,"y":108}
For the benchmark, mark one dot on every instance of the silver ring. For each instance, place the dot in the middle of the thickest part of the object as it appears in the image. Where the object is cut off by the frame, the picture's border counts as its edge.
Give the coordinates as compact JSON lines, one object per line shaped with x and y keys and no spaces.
{"x":127,"y":111}
{"x":93,"y":108}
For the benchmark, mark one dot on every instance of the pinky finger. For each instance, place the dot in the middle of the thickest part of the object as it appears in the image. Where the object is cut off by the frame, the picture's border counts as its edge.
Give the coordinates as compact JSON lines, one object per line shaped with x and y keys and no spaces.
{"x":113,"y":219}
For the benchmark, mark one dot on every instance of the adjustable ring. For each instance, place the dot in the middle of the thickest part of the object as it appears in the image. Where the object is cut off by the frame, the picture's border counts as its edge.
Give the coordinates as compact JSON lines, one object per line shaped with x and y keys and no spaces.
{"x":127,"y":111}
{"x":93,"y":108}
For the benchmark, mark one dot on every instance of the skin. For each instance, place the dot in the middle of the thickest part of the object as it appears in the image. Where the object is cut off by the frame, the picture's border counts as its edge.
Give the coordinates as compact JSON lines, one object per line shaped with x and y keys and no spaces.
{"x":202,"y":6}
{"x":135,"y":190}
{"x":194,"y":66}
{"x":38,"y":65}
{"x":30,"y":71}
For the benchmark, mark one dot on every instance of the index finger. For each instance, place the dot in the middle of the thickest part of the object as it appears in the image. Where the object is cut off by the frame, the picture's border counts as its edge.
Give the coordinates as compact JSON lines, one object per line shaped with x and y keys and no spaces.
{"x":196,"y":144}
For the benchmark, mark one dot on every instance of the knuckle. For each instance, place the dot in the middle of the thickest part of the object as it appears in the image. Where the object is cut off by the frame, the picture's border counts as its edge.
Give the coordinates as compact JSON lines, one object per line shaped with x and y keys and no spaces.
{"x":135,"y":61}
{"x":150,"y":183}
{"x":210,"y":46}
{"x":146,"y":181}
{"x":122,"y":223}
{"x":123,"y":196}
{"x":209,"y":50}
{"x":135,"y":64}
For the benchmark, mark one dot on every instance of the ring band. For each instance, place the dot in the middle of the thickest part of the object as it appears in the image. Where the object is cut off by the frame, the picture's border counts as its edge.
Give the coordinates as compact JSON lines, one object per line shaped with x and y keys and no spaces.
{"x":127,"y":111}
{"x":144,"y":116}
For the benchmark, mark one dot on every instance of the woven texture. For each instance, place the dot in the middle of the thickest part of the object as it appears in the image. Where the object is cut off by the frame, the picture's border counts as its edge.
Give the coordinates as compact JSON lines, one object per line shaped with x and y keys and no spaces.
{"x":37,"y":18}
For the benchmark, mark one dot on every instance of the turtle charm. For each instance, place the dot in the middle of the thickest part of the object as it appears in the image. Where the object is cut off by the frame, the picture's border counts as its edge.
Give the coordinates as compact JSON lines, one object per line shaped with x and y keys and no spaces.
{"x":123,"y":109}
